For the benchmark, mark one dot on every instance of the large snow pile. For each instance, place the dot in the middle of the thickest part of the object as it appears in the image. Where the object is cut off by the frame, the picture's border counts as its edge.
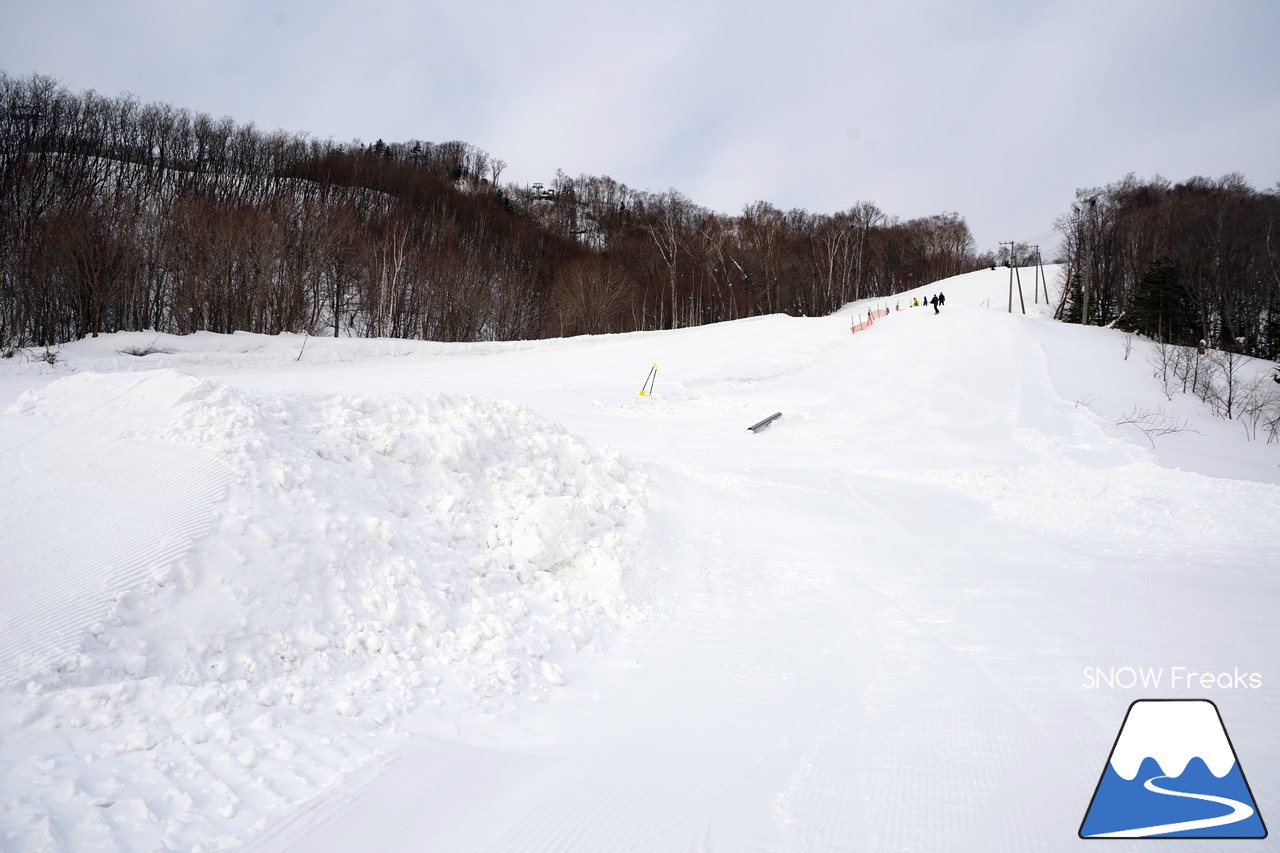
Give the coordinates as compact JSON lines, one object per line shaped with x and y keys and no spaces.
{"x":331,"y":555}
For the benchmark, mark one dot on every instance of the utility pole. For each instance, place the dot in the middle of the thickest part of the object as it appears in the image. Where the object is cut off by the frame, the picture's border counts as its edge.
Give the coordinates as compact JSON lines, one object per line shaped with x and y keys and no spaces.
{"x":1009,"y":264}
{"x":1040,"y":276}
{"x":1035,"y":289}
{"x":1091,"y":199}
{"x":1013,"y":270}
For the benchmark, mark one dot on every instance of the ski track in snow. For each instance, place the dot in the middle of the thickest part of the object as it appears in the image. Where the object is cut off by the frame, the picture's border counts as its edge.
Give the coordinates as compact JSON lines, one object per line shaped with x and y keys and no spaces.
{"x":127,"y":512}
{"x":408,"y":596}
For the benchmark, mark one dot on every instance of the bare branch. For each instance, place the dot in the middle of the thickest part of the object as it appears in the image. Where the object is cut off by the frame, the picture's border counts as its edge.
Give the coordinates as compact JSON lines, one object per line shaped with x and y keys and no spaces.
{"x":1155,"y":424}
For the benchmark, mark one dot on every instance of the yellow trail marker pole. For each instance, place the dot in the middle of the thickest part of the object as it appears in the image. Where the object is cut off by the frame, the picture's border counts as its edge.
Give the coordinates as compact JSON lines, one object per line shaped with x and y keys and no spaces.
{"x":649,"y":382}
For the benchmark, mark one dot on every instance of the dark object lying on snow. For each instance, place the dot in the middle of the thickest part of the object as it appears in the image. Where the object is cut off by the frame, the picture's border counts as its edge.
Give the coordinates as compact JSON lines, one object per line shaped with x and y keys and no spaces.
{"x":764,"y":423}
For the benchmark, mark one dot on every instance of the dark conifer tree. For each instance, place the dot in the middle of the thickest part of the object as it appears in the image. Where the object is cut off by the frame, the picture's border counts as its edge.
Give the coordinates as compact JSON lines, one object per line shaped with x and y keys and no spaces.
{"x":1162,"y":308}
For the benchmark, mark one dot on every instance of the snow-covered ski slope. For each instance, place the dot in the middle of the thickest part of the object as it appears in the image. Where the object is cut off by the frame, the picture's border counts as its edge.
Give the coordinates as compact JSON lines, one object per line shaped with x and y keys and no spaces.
{"x":406,"y":596}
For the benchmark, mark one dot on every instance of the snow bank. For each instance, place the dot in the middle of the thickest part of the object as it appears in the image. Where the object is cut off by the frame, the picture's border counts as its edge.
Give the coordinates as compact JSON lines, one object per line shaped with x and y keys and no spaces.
{"x":301,"y":606}
{"x":368,"y":555}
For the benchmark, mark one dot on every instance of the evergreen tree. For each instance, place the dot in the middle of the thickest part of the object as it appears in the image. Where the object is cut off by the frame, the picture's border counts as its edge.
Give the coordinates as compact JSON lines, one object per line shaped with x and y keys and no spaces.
{"x":1162,"y":308}
{"x":1270,"y":343}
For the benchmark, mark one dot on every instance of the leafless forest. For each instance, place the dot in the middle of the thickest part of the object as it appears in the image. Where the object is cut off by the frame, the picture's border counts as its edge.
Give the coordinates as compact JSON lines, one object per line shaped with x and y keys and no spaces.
{"x":122,"y":215}
{"x":119,"y":215}
{"x":1191,"y":264}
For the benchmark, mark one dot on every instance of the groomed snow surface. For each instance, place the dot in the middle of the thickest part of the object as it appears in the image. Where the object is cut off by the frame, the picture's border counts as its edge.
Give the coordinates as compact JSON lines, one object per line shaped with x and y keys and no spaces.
{"x":280,"y":594}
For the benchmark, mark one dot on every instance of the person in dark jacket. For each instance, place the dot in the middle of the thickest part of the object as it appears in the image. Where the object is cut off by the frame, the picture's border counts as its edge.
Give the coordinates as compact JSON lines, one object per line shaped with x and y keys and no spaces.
{"x":942,"y":299}
{"x":934,"y":303}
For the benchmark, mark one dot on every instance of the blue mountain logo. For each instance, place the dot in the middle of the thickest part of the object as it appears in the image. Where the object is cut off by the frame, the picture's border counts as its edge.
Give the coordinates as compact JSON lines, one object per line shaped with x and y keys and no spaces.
{"x":1172,"y":773}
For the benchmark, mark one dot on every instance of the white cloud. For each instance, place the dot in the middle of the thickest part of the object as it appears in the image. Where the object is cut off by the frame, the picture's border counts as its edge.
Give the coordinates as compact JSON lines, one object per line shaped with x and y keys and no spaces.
{"x":995,"y":109}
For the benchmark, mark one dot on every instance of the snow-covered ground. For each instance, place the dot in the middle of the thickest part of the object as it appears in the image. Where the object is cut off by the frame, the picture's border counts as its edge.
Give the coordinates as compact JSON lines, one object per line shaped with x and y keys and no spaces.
{"x":329,"y":595}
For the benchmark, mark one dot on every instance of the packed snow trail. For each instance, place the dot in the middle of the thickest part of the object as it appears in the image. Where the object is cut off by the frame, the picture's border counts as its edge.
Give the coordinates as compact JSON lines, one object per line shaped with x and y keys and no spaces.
{"x":128,"y":511}
{"x":862,"y":629}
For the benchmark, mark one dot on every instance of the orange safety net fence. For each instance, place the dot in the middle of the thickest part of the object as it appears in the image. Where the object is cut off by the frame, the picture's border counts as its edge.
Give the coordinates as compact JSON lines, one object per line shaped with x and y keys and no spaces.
{"x":874,"y":315}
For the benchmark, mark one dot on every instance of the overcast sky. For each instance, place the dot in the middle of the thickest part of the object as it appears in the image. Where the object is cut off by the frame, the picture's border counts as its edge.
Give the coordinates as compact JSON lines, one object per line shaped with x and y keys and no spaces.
{"x":996,"y":109}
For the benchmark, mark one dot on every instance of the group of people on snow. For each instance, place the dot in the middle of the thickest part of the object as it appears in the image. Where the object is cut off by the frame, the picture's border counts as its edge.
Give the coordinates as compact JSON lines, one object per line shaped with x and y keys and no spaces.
{"x":937,"y":301}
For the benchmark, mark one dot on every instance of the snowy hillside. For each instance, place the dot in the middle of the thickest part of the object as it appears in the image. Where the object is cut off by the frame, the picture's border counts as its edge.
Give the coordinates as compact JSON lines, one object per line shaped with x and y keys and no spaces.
{"x":286,"y":594}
